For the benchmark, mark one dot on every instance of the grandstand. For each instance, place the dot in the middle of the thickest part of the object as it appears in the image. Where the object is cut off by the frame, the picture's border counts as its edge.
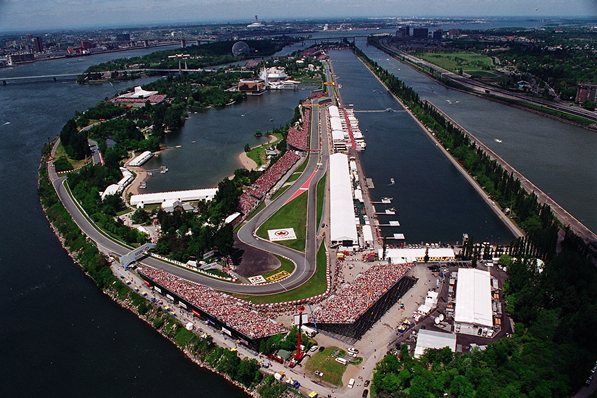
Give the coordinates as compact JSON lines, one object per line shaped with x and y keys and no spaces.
{"x":232,"y":316}
{"x":252,"y":195}
{"x":298,"y":138}
{"x":355,"y":307}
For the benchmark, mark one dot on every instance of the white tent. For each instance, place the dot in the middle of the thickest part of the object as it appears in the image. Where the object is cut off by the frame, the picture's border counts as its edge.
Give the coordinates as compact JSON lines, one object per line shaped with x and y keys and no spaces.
{"x":473,"y":298}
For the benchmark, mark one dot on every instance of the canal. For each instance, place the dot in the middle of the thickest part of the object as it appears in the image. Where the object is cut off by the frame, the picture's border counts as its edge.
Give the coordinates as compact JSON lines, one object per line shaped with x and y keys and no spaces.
{"x":434,"y":201}
{"x":559,"y":158}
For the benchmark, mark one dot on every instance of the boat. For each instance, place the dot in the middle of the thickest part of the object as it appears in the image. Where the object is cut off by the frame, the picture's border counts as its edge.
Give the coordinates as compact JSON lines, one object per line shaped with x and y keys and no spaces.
{"x":163,"y":170}
{"x":143,"y":185}
{"x":392,"y":181}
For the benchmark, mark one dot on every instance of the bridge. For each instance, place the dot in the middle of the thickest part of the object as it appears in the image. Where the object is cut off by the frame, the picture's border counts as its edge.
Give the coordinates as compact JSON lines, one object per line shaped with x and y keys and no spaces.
{"x":62,"y":76}
{"x":333,"y":39}
{"x":134,"y":255}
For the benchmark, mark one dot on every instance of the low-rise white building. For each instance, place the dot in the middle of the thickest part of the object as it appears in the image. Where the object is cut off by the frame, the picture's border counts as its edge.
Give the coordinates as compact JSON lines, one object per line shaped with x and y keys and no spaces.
{"x":430,"y":339}
{"x":409,"y":255}
{"x":118,"y":188}
{"x":343,"y":229}
{"x":140,"y":159}
{"x":473,"y":313}
{"x":181,"y":196}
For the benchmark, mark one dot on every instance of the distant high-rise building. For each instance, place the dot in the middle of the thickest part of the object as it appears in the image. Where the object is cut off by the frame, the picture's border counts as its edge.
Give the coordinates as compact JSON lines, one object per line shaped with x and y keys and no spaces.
{"x":36,"y":44}
{"x":586,"y":92}
{"x":402,"y":32}
{"x":183,"y":43}
{"x":86,"y":44}
{"x":15,"y":59}
{"x":437,"y":34}
{"x":420,"y":33}
{"x":123,"y":37}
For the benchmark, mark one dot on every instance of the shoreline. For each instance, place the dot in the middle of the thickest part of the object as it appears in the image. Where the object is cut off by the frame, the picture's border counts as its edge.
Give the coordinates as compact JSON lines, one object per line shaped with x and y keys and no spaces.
{"x":522,"y":104}
{"x":246,"y":162}
{"x":509,"y":223}
{"x":132,"y":309}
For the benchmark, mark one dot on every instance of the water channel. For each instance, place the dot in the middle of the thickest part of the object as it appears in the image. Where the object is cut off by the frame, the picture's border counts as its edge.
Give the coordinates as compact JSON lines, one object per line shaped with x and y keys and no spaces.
{"x":434,"y":202}
{"x":558,"y":157}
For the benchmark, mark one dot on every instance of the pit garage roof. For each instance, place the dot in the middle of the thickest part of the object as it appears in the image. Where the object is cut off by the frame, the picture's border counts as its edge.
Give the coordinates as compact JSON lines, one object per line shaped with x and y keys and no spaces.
{"x":336,"y":123}
{"x":473,"y":297}
{"x":342,"y":224}
{"x":431,"y":339}
{"x":334,"y":111}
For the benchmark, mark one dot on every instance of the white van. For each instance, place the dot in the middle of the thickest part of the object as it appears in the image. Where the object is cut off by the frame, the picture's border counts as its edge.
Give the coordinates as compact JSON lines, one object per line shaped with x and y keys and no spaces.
{"x":351,"y":383}
{"x":342,"y":361}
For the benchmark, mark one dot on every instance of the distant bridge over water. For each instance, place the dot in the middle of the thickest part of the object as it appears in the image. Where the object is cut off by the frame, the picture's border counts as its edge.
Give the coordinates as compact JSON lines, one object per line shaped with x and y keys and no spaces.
{"x":69,"y":76}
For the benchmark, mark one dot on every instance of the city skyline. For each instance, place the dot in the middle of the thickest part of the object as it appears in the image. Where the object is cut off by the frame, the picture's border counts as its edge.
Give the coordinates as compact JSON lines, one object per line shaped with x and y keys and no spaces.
{"x":60,"y":14}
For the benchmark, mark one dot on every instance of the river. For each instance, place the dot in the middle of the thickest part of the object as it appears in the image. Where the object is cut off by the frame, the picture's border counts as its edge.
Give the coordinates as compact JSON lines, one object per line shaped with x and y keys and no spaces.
{"x":557,"y":157}
{"x":60,"y":336}
{"x":434,"y":201}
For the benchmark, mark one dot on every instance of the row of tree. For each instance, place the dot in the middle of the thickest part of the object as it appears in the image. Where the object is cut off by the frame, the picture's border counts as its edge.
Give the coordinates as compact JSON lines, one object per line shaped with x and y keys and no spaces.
{"x":536,"y":219}
{"x":553,"y":349}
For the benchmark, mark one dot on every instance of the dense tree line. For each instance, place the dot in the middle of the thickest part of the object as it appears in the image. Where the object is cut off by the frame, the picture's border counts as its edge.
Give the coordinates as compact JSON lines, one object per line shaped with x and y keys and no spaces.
{"x":536,"y":219}
{"x":203,"y":55}
{"x":554,"y":308}
{"x":74,"y":143}
{"x":97,"y":266}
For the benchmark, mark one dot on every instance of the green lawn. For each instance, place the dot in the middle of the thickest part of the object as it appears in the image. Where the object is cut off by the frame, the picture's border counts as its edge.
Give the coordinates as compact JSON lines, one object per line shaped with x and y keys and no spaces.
{"x":314,"y":286}
{"x":294,"y":176}
{"x":77,"y":164}
{"x":302,"y":167}
{"x":320,"y":196}
{"x":291,"y":215}
{"x":280,"y":191}
{"x":285,"y":265}
{"x":257,"y":154}
{"x":325,"y":362}
{"x":469,"y":62}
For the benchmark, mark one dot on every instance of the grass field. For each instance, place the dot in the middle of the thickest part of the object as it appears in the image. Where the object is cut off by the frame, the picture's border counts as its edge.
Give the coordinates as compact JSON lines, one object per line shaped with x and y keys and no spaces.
{"x":77,"y":164}
{"x":291,"y":215}
{"x":320,"y":196}
{"x":314,"y":286}
{"x":285,"y":265}
{"x":280,"y":191}
{"x":257,"y":154}
{"x":325,"y":362}
{"x":471,"y":63}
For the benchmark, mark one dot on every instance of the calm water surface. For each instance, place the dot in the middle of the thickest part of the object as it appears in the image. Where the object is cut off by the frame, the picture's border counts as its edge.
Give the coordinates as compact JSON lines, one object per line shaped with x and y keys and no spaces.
{"x":434,"y":201}
{"x":557,"y":157}
{"x":59,"y":335}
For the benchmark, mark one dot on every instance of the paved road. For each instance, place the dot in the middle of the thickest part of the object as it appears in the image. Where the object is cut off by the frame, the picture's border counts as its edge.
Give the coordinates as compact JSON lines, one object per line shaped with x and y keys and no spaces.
{"x":480,"y":88}
{"x":305,"y":264}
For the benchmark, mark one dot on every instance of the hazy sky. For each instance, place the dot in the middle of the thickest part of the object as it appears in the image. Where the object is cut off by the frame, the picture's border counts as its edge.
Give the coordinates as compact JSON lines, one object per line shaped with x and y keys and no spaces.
{"x":46,"y":14}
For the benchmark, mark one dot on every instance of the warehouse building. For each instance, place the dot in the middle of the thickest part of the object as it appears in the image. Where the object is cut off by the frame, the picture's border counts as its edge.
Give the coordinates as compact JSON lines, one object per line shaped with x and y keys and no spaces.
{"x":180,"y":196}
{"x":430,"y":339}
{"x":343,"y":230}
{"x":473,"y":314}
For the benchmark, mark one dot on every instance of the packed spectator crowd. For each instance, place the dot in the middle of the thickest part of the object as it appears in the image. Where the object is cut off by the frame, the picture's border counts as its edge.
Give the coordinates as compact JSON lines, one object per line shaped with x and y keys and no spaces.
{"x":352,"y":300}
{"x":266,"y":181}
{"x":298,"y":138}
{"x":227,"y":310}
